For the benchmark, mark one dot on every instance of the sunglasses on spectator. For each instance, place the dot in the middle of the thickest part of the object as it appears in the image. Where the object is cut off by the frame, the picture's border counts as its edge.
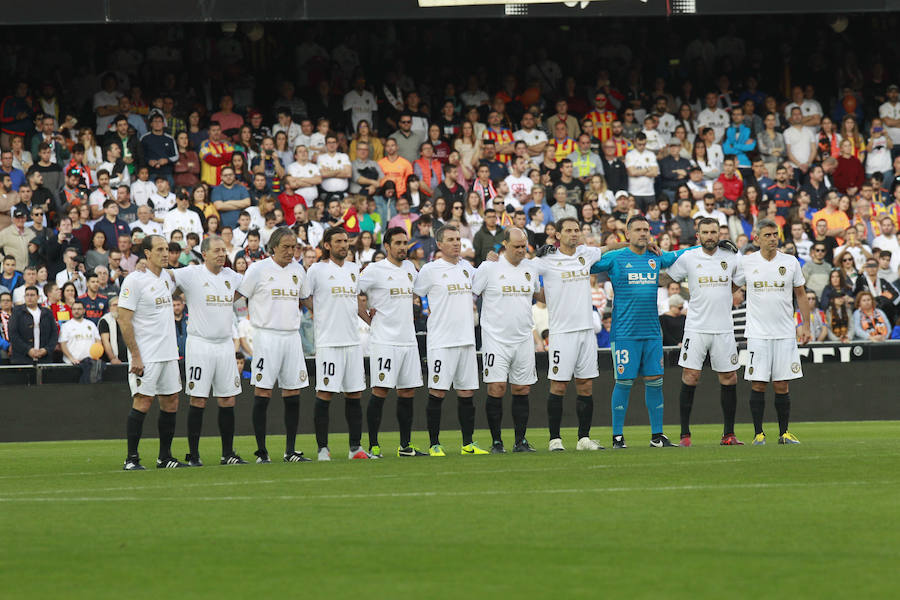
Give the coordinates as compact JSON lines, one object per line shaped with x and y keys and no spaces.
{"x":818,"y":249}
{"x":847,"y":260}
{"x":402,"y":121}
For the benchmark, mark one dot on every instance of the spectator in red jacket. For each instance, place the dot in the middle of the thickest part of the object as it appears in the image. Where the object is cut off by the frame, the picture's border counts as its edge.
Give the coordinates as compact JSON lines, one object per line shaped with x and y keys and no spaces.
{"x":731,"y":179}
{"x":849,"y":175}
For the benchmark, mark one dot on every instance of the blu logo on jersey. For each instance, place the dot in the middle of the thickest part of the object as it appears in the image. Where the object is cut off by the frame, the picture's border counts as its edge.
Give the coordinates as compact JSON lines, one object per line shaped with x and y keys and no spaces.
{"x":642,"y":278}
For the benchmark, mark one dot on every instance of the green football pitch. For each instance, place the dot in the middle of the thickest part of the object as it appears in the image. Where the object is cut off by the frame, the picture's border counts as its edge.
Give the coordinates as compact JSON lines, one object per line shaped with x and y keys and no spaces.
{"x":818,"y":520}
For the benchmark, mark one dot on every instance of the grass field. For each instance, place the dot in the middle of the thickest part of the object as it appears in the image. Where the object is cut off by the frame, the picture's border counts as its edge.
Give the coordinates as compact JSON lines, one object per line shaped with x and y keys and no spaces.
{"x":817,"y":520}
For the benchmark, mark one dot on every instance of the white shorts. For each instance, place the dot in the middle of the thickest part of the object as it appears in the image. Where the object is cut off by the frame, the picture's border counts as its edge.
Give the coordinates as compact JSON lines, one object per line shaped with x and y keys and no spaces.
{"x":573,"y":353}
{"x":501,"y":362}
{"x":159,"y":379}
{"x":457,"y":366}
{"x":721,"y":347}
{"x":340,"y":369}
{"x":278,"y":358}
{"x":210,"y":366}
{"x":395,"y":366}
{"x":772,"y":360}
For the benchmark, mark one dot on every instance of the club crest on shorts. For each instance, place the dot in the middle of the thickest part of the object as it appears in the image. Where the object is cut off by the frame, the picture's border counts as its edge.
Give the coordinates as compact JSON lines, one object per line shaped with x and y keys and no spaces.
{"x":228,"y":284}
{"x":436,"y":378}
{"x":781,"y":270}
{"x":485,"y":372}
{"x":581,"y":260}
{"x":138,"y":382}
{"x":684,"y":356}
{"x":652,"y":263}
{"x":294,"y":277}
{"x":555,"y":370}
{"x":410,"y":276}
{"x":795,"y":367}
{"x":724,"y":265}
{"x":751,"y":370}
{"x":381,"y":377}
{"x":303,"y":376}
{"x":325,"y":381}
{"x":190,"y":385}
{"x":619,"y":369}
{"x":734,"y":359}
{"x":259,"y":377}
{"x":237,"y":381}
{"x":527,"y":276}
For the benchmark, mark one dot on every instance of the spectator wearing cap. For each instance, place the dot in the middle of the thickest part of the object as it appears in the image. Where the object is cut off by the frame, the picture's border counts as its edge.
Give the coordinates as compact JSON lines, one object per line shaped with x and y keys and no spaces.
{"x":885,"y":295}
{"x":673,"y":169}
{"x":160,"y":151}
{"x":14,"y":239}
{"x":672,"y":321}
{"x":181,"y":218}
{"x":32,"y":331}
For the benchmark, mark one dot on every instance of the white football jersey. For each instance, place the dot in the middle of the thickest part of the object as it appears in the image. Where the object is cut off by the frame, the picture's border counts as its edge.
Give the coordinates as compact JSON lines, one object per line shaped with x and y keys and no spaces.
{"x":770,"y":294}
{"x":306,"y":171}
{"x":449,"y":290}
{"x":709,"y":282}
{"x":150,"y":298}
{"x":335,"y":304}
{"x":162,"y":204}
{"x":567,"y":286}
{"x":273,"y":294}
{"x":506,"y":297}
{"x":210,"y":300}
{"x":336,"y":162}
{"x":186,"y":222}
{"x":79,"y":336}
{"x":389,"y":289}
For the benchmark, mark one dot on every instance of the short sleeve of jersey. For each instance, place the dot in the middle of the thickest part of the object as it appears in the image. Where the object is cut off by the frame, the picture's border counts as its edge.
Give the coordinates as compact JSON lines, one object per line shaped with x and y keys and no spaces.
{"x":591,"y":254}
{"x":423,"y":281}
{"x":678,"y":269}
{"x":605,"y":263}
{"x":799,"y":279}
{"x":64,"y":331}
{"x":481,"y":277}
{"x":309,"y":284}
{"x":251,"y":278}
{"x":128,"y":296}
{"x":738,"y":278}
{"x":366,"y":280}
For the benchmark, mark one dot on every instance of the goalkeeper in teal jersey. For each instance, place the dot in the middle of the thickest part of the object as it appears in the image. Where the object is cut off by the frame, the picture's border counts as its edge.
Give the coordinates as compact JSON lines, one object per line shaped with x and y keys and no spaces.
{"x":636,"y":335}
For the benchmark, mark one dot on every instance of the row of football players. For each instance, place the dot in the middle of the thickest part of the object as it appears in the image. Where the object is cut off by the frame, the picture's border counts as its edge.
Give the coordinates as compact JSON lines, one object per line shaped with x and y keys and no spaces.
{"x":277,"y":288}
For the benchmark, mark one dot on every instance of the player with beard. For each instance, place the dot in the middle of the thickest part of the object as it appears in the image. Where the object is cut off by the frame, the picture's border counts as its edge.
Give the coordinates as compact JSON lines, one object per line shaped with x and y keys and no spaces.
{"x":394,"y":360}
{"x":709,"y":272}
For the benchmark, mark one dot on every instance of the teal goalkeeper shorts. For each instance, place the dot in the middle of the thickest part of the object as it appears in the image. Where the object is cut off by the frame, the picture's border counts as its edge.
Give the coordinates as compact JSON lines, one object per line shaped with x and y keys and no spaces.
{"x":635,"y":358}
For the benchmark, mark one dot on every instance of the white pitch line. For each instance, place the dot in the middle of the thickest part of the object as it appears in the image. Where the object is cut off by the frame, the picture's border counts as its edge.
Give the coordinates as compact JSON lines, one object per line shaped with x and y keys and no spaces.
{"x":426,"y":494}
{"x":289,"y":480}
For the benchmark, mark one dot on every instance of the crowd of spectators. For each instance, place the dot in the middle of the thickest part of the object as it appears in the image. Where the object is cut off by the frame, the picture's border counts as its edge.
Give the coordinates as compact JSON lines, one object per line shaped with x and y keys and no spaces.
{"x":187,"y":132}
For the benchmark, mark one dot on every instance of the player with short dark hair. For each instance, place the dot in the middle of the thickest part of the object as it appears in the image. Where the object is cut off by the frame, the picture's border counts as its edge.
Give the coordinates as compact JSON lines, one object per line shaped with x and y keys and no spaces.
{"x":636,"y":335}
{"x":394,"y":360}
{"x":709,"y":271}
{"x":773,"y":281}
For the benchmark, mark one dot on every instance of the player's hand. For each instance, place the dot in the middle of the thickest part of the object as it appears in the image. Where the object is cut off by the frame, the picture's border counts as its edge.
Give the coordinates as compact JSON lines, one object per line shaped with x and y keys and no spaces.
{"x":545,"y":250}
{"x":137,"y":366}
{"x":492,"y":256}
{"x":728,"y":245}
{"x":654,"y":247}
{"x":804,"y":336}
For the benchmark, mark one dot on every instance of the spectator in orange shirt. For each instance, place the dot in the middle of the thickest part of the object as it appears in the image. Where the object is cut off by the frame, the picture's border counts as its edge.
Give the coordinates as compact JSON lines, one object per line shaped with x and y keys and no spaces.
{"x":395,"y":167}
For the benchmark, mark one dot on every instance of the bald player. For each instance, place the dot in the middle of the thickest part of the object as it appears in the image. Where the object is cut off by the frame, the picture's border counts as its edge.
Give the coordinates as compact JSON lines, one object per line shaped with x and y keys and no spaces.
{"x":507,"y":287}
